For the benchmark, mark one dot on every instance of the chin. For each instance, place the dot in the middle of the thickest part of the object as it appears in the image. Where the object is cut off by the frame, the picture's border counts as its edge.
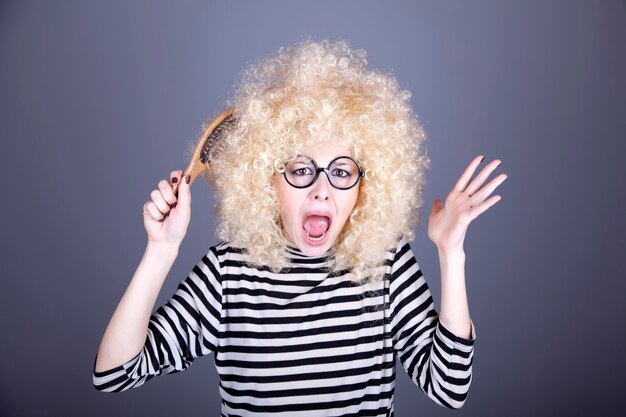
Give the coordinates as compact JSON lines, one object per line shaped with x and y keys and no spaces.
{"x":315,"y":251}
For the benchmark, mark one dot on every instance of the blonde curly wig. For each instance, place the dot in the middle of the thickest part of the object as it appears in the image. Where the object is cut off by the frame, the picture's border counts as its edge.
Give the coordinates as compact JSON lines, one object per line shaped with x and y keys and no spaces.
{"x":306,"y":96}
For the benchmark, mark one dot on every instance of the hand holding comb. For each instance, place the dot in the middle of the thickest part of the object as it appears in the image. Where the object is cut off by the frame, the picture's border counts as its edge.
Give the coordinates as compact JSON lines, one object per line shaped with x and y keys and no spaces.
{"x":200,"y":158}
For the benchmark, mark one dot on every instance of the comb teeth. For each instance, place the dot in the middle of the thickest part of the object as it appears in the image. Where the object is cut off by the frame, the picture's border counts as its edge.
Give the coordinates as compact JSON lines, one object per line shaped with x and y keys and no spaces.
{"x":221,"y":128}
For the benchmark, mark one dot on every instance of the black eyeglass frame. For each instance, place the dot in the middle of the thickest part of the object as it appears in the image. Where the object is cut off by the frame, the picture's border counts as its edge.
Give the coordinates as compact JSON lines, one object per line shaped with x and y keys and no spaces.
{"x":281,"y":168}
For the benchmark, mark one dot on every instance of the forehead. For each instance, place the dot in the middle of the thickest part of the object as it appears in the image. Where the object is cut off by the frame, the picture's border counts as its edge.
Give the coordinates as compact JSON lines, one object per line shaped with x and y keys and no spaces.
{"x":326,"y":153}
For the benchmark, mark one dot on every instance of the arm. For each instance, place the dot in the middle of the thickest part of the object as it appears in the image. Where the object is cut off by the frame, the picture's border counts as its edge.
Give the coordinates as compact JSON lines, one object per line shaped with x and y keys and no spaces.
{"x":447,"y":227}
{"x":437,"y":350}
{"x":166,"y":217}
{"x":126,"y":333}
{"x":184,"y":328}
{"x":437,"y":360}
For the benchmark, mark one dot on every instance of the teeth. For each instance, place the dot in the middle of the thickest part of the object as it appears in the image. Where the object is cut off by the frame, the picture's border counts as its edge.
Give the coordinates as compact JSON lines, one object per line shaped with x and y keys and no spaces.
{"x":315,"y":239}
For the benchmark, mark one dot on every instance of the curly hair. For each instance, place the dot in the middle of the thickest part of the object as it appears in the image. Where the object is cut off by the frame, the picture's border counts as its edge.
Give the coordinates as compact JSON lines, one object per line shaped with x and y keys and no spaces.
{"x":305,"y":96}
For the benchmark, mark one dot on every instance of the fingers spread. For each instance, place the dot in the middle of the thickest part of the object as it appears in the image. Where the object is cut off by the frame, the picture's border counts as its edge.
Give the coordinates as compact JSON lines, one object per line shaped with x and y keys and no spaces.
{"x":436,"y":207}
{"x":486,"y":191}
{"x":482,"y":207}
{"x":465,"y":178}
{"x":482,"y":176}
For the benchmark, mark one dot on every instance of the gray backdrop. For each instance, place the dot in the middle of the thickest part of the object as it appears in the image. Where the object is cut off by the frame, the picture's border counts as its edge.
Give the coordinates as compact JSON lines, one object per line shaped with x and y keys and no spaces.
{"x":100,"y":100}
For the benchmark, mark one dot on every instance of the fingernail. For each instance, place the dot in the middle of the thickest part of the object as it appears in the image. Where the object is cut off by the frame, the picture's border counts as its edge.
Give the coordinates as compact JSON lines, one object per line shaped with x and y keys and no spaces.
{"x":482,"y":159}
{"x":174,"y":180}
{"x":187,"y":179}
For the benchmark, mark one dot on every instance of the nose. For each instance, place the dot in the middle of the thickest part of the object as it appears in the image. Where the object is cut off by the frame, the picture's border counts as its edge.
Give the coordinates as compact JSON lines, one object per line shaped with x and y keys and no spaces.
{"x":321,"y":188}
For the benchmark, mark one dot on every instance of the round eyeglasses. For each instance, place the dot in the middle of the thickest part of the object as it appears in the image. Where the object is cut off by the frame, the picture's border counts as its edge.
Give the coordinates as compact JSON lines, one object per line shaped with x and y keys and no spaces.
{"x":343,"y":172}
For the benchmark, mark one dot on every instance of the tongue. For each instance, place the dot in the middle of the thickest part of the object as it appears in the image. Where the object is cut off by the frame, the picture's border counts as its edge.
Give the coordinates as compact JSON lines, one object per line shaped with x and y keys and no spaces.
{"x":315,"y":226}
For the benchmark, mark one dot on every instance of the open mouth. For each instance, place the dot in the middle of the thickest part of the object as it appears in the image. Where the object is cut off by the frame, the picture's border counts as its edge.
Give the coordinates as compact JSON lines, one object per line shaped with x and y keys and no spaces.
{"x":315,"y":227}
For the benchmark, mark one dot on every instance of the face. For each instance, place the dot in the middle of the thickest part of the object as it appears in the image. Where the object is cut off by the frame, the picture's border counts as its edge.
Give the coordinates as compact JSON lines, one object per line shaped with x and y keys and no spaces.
{"x":314,"y":217}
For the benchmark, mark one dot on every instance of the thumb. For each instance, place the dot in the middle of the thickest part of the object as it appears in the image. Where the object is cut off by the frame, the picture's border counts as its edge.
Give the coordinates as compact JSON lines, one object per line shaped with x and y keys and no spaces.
{"x":184,"y":193}
{"x":437,"y":207}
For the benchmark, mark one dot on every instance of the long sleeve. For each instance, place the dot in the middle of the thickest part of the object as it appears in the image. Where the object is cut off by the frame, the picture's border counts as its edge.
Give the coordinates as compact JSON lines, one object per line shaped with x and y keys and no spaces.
{"x":438,"y":361}
{"x":184,"y":328}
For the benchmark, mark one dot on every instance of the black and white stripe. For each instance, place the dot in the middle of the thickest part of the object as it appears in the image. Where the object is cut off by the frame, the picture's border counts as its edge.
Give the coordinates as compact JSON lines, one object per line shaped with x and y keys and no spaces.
{"x":306,"y":341}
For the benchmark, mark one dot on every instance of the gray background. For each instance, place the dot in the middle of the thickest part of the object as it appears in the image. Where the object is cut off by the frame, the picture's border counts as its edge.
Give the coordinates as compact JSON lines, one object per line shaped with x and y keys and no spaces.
{"x":100,"y":100}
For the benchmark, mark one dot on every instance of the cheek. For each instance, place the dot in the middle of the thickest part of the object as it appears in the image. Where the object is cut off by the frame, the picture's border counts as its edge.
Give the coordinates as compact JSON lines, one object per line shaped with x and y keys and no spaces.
{"x":289,"y":202}
{"x":348,"y":204}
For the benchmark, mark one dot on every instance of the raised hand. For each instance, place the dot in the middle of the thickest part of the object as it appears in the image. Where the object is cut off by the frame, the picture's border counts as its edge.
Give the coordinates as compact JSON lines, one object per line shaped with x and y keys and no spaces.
{"x":468,"y":199}
{"x":166,"y":216}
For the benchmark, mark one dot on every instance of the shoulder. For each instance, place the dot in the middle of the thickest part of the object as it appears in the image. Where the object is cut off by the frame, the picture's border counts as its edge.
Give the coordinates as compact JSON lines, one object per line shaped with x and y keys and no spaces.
{"x":400,"y":251}
{"x":224,"y":249}
{"x":402,"y":260}
{"x":218,"y":256}
{"x":226,"y":256}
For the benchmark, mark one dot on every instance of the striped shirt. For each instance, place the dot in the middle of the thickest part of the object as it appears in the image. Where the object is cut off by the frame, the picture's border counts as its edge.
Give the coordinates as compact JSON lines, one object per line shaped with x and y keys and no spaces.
{"x":305,"y":341}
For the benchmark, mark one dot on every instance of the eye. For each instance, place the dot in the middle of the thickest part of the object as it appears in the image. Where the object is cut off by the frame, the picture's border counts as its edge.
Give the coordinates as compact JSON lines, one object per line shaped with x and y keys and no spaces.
{"x":341,"y":173}
{"x":302,"y":171}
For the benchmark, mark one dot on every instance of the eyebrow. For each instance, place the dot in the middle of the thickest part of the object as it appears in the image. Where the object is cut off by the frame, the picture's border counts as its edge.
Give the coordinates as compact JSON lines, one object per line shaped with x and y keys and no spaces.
{"x":334,"y":160}
{"x":341,"y":163}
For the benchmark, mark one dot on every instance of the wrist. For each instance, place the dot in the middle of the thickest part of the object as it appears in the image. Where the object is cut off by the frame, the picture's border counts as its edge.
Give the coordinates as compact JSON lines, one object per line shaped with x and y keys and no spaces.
{"x":162,"y":250}
{"x":452,"y":265}
{"x":451,"y":253}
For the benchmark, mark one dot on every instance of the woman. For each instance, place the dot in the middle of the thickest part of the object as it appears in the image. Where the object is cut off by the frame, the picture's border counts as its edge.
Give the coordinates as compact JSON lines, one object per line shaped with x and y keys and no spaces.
{"x":314,"y":291}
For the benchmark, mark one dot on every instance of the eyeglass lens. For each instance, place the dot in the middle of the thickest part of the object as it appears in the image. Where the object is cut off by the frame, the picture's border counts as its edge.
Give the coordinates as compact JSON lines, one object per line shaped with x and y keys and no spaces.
{"x":342,"y":173}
